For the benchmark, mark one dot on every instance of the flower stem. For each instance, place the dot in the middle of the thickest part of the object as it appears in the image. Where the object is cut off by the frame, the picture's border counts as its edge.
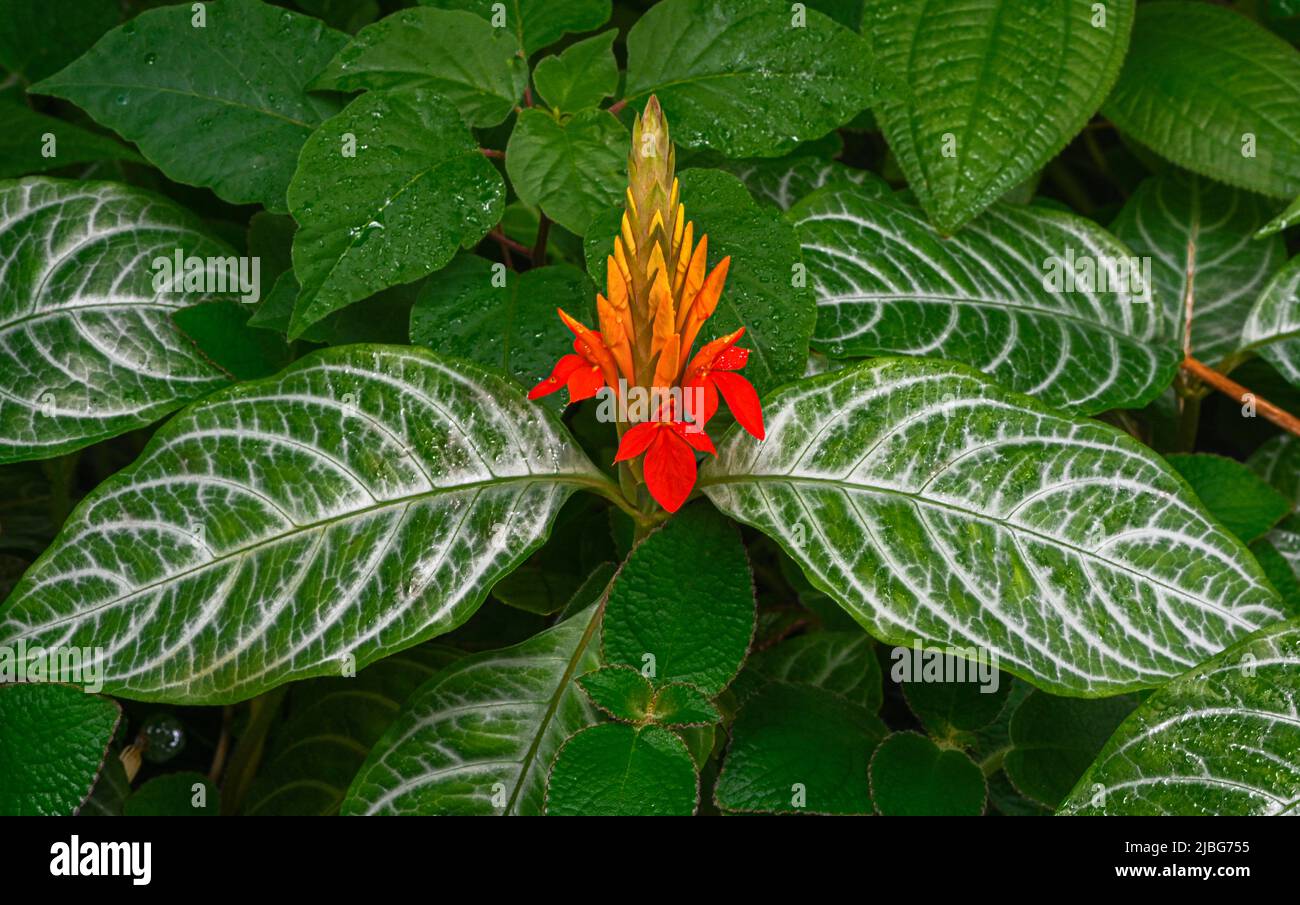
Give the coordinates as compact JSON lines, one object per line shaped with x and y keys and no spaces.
{"x":1230,"y":387}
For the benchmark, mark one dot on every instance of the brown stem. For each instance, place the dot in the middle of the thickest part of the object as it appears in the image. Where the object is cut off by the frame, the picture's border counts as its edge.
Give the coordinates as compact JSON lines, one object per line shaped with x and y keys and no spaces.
{"x":223,"y":746}
{"x":1230,"y":387}
{"x":539,"y":250}
{"x":528,"y":96}
{"x":617,"y":107}
{"x":508,"y":245}
{"x":492,"y":152}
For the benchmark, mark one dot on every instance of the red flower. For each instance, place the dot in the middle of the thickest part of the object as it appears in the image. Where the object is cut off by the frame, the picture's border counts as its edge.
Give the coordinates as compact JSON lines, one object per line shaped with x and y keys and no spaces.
{"x":669,"y":465}
{"x":712,"y":371}
{"x":585,"y":372}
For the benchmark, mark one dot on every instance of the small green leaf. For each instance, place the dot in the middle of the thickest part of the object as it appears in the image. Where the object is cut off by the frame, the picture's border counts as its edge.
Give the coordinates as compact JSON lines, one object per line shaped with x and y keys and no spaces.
{"x":87,"y":346}
{"x":1277,"y":461}
{"x":744,"y":77}
{"x":1235,"y":495}
{"x":582,"y":76}
{"x":619,"y":691}
{"x":235,"y":128}
{"x":186,"y":794}
{"x":573,"y":170}
{"x":1000,"y":296}
{"x":536,"y":23}
{"x":53,"y":741}
{"x":679,"y":704}
{"x":842,"y":662}
{"x":763,"y":293}
{"x":683,"y":603}
{"x":617,"y":770}
{"x":222,"y":334}
{"x":1220,"y":739}
{"x":975,"y":97}
{"x":1054,"y":740}
{"x":453,"y":53}
{"x":951,"y":710}
{"x":1272,"y":328}
{"x":796,"y":749}
{"x":385,"y":216}
{"x":1214,"y":92}
{"x":463,"y":311}
{"x":911,"y":776}
{"x":932,"y":504}
{"x":479,"y":737}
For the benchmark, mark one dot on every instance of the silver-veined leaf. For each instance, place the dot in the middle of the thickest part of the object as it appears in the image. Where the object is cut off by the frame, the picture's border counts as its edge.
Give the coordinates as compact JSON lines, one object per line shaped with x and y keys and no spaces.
{"x":88,"y":349}
{"x":1220,"y":740}
{"x":1005,"y":295}
{"x":934,"y":505}
{"x":364,"y":499}
{"x":1272,"y":328}
{"x":1200,"y":238}
{"x":480,"y":736}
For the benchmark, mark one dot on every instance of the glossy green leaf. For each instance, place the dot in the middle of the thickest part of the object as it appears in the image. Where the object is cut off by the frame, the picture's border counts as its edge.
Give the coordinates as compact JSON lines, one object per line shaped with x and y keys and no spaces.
{"x":53,"y":741}
{"x":1004,"y":296}
{"x":1055,"y":739}
{"x":453,"y":53}
{"x":87,"y":346}
{"x":1219,"y":740}
{"x":35,"y":143}
{"x":573,"y":170}
{"x":784,"y":181}
{"x":679,"y":704}
{"x":682,"y":607}
{"x":363,"y":500}
{"x":746,"y":78}
{"x":235,"y":128}
{"x":1272,"y":329}
{"x":796,"y":749}
{"x":1245,"y":504}
{"x":763,"y":293}
{"x":975,"y":97}
{"x":619,"y":691}
{"x":385,"y":216}
{"x":1214,"y":92}
{"x":1200,"y":238}
{"x":536,"y":23}
{"x":1289,"y":217}
{"x":933,"y":504}
{"x":951,"y":710}
{"x":312,"y":757}
{"x":911,"y":776}
{"x":582,"y":76}
{"x":479,"y":737}
{"x":463,"y":310}
{"x":617,"y":770}
{"x":40,"y":37}
{"x":842,"y":662}
{"x":186,"y":794}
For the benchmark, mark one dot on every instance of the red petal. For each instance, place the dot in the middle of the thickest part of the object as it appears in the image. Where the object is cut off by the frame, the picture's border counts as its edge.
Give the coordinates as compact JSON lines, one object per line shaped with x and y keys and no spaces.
{"x":708,"y":403}
{"x":585,"y":382}
{"x":636,"y":439}
{"x":742,"y":399}
{"x":559,"y":375}
{"x":669,"y":470}
{"x":697,"y":438}
{"x":731,"y":359}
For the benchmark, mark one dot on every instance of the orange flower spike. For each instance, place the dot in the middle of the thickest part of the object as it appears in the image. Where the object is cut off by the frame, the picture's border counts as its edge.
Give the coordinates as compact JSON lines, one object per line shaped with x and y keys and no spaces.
{"x":694,"y":280}
{"x":613,"y":330}
{"x":661,"y":307}
{"x":705,"y":302}
{"x":669,"y":362}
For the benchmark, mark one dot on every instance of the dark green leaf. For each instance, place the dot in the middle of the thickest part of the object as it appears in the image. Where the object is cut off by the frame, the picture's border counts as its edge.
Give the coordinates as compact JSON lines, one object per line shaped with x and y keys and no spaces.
{"x":842,"y":662}
{"x":582,"y":76}
{"x":224,"y":106}
{"x":536,"y":23}
{"x":573,"y":170}
{"x":679,"y":704}
{"x":35,"y":143}
{"x":1234,"y":494}
{"x":40,"y":37}
{"x":617,"y":770}
{"x":619,"y":691}
{"x":175,"y":795}
{"x":385,"y":216}
{"x":911,"y":776}
{"x":454,"y":53}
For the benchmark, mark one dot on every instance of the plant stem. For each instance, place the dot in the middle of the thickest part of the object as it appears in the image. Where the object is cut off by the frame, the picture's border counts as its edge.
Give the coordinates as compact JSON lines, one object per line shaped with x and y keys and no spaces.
{"x":223,"y":746}
{"x":248,"y":751}
{"x":993,"y":763}
{"x":617,"y":106}
{"x":539,"y":250}
{"x":1189,"y":421}
{"x":1230,"y":387}
{"x":491,"y":152}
